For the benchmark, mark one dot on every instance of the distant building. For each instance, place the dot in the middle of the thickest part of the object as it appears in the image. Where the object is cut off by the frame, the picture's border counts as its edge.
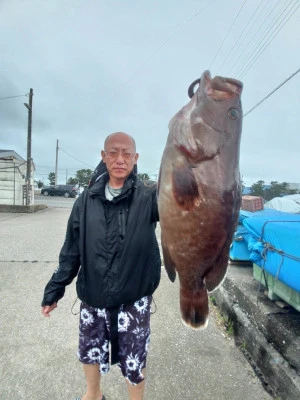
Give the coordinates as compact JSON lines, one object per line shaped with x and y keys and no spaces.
{"x":13,"y":170}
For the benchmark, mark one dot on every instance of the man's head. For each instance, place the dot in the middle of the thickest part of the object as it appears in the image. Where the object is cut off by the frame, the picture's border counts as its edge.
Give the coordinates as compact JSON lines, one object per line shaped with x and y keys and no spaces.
{"x":120,"y":156}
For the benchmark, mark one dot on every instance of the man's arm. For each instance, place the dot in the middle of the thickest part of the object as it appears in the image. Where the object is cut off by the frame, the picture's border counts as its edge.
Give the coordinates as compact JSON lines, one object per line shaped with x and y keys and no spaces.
{"x":69,"y":263}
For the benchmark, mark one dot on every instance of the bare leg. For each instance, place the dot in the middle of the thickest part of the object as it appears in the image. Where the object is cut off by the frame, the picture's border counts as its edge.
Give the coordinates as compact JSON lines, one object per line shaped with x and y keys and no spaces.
{"x":92,"y":376}
{"x":136,"y":392}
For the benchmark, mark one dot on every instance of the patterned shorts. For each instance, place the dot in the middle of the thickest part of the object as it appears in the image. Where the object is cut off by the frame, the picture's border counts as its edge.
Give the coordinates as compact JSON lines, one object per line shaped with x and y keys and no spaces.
{"x":133,"y":338}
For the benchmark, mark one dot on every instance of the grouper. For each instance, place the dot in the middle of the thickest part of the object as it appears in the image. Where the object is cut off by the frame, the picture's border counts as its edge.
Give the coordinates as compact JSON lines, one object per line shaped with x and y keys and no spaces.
{"x":199,"y":191}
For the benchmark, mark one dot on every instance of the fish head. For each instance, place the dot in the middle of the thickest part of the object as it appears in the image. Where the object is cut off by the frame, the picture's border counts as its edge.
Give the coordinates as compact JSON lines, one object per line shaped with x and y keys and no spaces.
{"x":215,"y":114}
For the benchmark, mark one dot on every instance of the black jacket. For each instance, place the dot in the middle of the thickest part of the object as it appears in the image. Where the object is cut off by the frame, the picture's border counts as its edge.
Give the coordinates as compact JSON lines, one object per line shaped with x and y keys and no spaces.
{"x":111,"y":246}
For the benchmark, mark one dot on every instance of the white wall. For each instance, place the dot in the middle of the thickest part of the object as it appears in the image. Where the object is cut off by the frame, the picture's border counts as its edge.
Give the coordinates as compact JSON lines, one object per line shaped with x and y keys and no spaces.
{"x":12,"y":181}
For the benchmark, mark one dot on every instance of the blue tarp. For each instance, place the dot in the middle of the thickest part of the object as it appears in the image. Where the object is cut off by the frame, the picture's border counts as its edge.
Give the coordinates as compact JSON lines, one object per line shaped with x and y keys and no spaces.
{"x":274,"y":243}
{"x":239,"y":247}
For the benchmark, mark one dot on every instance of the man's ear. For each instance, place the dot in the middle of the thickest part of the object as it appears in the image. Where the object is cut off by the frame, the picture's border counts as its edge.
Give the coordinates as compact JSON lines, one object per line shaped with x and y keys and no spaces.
{"x":136,"y":156}
{"x":103,"y":155}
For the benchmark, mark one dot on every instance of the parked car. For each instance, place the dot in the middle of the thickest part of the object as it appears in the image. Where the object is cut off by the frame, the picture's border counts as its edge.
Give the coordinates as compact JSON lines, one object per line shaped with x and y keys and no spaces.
{"x":60,"y":190}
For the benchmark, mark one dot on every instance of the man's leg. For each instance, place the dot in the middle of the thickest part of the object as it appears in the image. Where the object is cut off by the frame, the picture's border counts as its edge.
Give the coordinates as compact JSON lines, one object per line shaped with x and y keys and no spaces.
{"x":92,"y":376}
{"x":136,"y":392}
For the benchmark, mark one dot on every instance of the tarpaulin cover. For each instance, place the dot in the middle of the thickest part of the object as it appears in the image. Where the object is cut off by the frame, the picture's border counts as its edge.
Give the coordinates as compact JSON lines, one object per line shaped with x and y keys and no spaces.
{"x":285,"y":204}
{"x":239,"y":246}
{"x":274,"y":243}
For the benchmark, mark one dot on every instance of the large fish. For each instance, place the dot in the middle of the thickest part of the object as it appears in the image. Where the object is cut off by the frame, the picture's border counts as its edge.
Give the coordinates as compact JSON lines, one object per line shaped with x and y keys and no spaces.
{"x":200,"y":192}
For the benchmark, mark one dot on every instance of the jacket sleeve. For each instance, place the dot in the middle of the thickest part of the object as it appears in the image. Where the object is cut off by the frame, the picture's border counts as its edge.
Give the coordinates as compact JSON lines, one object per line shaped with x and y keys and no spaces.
{"x":155,"y":214}
{"x":69,"y":260}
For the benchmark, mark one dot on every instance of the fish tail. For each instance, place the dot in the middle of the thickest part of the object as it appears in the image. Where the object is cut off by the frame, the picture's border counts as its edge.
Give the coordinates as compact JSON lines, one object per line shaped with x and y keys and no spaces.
{"x":194,"y":307}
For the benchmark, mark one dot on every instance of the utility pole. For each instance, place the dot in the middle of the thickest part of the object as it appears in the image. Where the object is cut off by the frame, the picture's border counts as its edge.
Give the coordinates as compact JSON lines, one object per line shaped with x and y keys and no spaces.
{"x":56,"y":161}
{"x":28,"y":171}
{"x":66,"y":176}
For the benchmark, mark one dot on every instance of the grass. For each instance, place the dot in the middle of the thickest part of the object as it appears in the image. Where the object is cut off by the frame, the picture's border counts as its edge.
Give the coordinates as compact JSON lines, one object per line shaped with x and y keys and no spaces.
{"x":228,"y":323}
{"x":213,"y":300}
{"x":243,"y":345}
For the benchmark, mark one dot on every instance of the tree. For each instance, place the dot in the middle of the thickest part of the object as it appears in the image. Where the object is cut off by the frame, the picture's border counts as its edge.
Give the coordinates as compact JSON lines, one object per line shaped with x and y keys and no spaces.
{"x":83,"y":177}
{"x":257,"y":189}
{"x":268,"y":192}
{"x":51,"y":178}
{"x":39,"y":183}
{"x":276,"y":189}
{"x":72,"y":181}
{"x":144,"y":177}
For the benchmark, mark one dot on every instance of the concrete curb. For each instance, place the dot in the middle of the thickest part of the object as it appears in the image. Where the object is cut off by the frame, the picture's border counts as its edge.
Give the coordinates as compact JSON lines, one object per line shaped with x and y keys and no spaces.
{"x":22,"y":209}
{"x":283,"y":379}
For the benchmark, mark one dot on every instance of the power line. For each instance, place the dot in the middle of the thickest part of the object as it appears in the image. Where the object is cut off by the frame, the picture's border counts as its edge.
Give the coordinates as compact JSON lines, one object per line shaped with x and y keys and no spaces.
{"x":218,"y":51}
{"x":149,"y":58}
{"x":253,"y":39}
{"x":275,"y":32}
{"x":75,"y":157}
{"x":241,"y":37}
{"x":12,"y":97}
{"x":273,"y":91}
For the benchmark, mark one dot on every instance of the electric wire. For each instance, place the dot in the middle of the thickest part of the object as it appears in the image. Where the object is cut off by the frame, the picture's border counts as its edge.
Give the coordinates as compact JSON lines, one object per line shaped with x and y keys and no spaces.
{"x":227,"y":34}
{"x":251,"y":51}
{"x":12,"y":97}
{"x":231,"y":54}
{"x":245,"y":42}
{"x":254,"y":38}
{"x":265,"y":46}
{"x":179,"y":26}
{"x":75,"y":158}
{"x":273,"y":91}
{"x":15,"y":166}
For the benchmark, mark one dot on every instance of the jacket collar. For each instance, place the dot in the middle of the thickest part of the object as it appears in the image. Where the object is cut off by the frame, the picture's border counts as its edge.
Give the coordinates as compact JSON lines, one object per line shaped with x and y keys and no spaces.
{"x":98,"y":188}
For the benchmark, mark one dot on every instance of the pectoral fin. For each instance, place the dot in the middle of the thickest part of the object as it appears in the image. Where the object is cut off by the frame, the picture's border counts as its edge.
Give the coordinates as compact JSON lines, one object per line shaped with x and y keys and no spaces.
{"x":185,"y":188}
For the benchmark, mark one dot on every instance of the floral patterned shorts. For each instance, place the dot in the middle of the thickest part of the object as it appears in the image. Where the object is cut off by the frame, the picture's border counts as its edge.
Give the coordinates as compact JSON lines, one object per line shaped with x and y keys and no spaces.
{"x":133,"y":338}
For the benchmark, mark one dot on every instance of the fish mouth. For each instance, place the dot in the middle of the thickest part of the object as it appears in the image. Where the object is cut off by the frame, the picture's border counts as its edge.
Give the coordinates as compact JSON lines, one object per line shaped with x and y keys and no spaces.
{"x":218,"y":88}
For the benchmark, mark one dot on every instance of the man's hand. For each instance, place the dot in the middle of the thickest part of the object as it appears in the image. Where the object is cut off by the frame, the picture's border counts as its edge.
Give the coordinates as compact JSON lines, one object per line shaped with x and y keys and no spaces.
{"x":46,"y":310}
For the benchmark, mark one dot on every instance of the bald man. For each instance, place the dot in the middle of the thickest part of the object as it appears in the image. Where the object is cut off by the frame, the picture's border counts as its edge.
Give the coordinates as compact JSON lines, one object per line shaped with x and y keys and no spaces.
{"x":111,"y":247}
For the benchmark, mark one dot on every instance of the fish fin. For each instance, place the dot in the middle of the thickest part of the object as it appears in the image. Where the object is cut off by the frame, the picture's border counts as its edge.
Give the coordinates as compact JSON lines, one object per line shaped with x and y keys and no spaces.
{"x":194,"y":307}
{"x":169,"y":263}
{"x":185,"y":188}
{"x":217,"y":274}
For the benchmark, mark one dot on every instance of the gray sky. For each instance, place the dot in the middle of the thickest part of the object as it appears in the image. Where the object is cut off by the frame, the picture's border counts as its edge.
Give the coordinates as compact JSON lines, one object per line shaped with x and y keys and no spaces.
{"x":97,"y":67}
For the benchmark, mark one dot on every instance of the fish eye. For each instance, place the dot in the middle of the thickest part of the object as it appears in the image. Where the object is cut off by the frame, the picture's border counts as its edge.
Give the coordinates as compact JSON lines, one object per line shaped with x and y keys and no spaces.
{"x":233,"y":113}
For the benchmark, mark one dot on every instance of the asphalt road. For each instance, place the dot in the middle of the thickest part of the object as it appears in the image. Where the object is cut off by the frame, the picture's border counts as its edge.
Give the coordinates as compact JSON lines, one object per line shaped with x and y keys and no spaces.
{"x":38,"y":355}
{"x":54,"y":201}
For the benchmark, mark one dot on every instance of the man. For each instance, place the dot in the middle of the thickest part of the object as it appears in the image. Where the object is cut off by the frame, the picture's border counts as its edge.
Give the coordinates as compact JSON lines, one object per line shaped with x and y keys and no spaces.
{"x":111,"y":245}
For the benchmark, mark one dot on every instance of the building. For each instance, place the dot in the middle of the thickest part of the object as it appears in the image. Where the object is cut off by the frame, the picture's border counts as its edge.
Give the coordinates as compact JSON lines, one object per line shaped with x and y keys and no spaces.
{"x":13,"y":186}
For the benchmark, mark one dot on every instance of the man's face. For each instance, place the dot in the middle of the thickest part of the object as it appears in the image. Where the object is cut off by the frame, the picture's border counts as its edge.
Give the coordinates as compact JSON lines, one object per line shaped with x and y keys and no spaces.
{"x":119,"y":156}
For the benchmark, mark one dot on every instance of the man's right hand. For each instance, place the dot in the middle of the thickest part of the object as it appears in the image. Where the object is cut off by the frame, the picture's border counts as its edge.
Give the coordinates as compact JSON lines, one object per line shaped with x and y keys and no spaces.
{"x":46,"y":310}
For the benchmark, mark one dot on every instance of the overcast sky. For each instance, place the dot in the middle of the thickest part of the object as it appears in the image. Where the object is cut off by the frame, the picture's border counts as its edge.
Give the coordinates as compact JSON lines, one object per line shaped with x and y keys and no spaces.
{"x":100,"y":66}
